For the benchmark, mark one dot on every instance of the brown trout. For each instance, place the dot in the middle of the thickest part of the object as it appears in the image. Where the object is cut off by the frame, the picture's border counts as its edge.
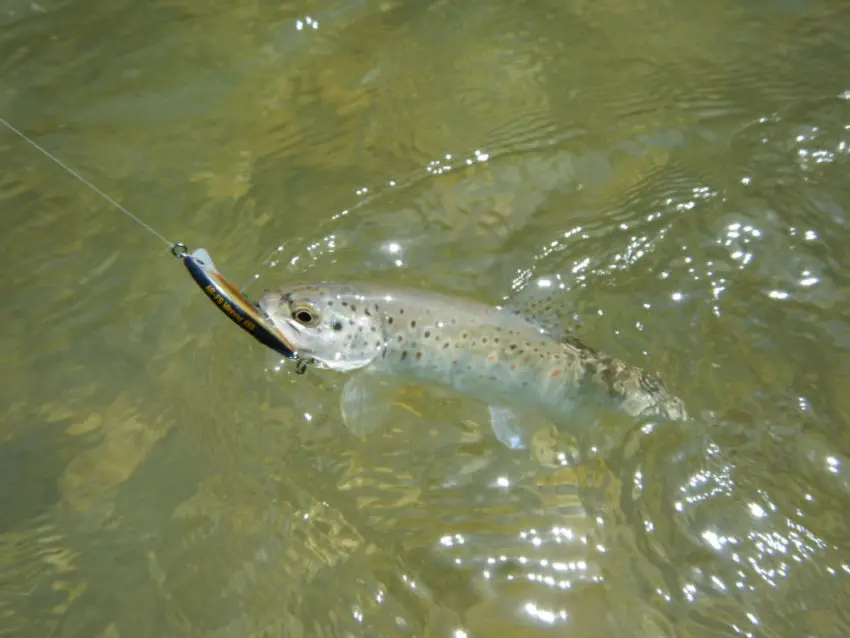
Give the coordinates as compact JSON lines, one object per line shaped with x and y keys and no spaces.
{"x":489,"y":353}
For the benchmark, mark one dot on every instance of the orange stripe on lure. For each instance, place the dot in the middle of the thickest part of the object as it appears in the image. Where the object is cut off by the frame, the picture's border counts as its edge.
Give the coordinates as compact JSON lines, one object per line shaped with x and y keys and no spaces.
{"x":233,"y":303}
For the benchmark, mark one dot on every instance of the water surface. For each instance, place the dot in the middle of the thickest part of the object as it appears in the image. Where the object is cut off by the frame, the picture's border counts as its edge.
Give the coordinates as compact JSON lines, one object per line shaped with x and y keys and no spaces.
{"x":679,"y":167}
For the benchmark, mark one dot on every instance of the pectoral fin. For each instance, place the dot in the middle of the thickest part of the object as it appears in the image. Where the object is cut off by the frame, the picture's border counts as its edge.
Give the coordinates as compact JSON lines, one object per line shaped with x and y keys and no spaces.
{"x":506,"y":426}
{"x":365,"y":402}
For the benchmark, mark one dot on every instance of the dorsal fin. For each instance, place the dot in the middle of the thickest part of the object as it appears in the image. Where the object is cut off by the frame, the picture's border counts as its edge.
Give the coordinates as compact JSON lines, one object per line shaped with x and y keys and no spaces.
{"x":540,"y":302}
{"x":578,"y":344}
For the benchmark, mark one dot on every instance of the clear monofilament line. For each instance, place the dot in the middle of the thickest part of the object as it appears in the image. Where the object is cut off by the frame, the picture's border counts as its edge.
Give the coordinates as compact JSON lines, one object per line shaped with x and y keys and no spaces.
{"x":86,"y":182}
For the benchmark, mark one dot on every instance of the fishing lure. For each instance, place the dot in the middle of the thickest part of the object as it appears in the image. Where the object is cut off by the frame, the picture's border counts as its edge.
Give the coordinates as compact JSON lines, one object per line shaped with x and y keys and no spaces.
{"x":234,"y":304}
{"x":227,"y":297}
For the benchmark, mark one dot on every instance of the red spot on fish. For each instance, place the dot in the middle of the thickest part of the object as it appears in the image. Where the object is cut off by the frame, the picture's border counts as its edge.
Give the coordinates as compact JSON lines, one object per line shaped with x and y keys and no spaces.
{"x":492,"y":357}
{"x":454,"y":363}
{"x":555,"y":373}
{"x":418,"y":355}
{"x":513,"y":366}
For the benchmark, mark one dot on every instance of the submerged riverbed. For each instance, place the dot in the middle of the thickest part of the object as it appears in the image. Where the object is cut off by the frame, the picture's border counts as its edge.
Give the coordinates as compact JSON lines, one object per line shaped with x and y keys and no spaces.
{"x":680,"y":167}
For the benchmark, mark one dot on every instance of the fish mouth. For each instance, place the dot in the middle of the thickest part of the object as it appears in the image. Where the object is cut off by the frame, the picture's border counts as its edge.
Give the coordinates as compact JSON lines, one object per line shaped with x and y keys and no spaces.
{"x":279,"y":331}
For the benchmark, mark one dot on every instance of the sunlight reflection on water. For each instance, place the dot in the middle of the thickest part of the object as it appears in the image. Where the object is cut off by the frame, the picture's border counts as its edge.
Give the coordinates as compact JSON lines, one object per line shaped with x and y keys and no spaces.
{"x":676,"y":183}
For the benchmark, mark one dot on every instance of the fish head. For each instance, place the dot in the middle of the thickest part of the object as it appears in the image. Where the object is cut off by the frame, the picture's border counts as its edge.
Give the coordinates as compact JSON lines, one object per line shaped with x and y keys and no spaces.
{"x":326,"y":323}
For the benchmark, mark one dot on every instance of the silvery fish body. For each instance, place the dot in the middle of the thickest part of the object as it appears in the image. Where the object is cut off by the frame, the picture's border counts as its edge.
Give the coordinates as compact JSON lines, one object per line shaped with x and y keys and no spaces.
{"x":495,"y":355}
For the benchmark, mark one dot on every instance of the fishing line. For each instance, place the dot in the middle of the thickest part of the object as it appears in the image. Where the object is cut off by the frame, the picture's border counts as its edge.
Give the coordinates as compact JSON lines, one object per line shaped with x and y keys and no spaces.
{"x":52,"y":157}
{"x":227,"y":297}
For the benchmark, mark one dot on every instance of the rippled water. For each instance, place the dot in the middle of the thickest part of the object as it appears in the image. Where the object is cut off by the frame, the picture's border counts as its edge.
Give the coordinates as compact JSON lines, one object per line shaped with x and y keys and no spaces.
{"x":681,"y":166}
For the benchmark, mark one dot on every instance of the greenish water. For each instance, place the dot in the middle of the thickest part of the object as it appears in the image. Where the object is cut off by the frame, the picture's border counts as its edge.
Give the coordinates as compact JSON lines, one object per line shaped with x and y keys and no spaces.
{"x":682,"y":166}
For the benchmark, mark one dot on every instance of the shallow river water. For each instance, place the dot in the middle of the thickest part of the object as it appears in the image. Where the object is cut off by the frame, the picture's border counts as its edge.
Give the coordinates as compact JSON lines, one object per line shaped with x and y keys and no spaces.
{"x":682,"y":167}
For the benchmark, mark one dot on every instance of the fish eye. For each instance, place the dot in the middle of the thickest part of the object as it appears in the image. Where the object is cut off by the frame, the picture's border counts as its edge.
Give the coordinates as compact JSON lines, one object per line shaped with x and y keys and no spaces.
{"x":304,"y":315}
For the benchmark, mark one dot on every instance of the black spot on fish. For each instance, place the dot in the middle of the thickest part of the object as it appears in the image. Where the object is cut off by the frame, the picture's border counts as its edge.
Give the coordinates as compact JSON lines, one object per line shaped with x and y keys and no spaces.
{"x":390,"y":320}
{"x":403,"y":355}
{"x":464,"y":335}
{"x":413,"y":323}
{"x":366,"y":312}
{"x":401,"y":311}
{"x":513,"y":346}
{"x":354,"y":308}
{"x":344,"y":304}
{"x":330,"y":302}
{"x":483,"y":339}
{"x":446,"y":345}
{"x":496,"y":340}
{"x":427,"y":333}
{"x":651,"y":383}
{"x":337,"y":326}
{"x":611,"y":369}
{"x":376,"y":308}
